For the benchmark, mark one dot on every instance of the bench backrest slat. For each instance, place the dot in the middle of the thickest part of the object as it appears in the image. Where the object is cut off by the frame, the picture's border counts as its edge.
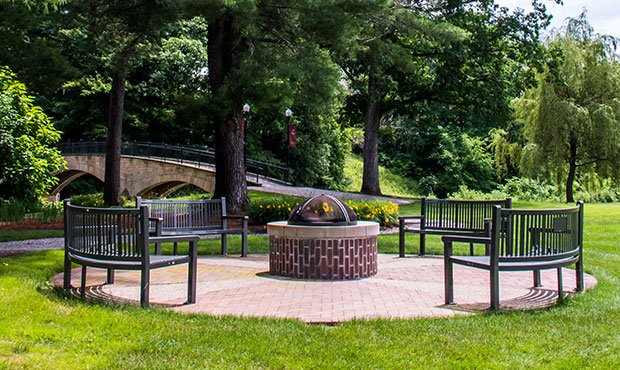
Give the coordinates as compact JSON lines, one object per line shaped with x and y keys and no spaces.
{"x":114,"y":234}
{"x":538,"y":234}
{"x":200,"y":214}
{"x":462,"y":215}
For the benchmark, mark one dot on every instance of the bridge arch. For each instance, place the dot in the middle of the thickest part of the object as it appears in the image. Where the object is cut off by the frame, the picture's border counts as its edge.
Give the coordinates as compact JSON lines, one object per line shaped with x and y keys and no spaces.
{"x":146,"y":177}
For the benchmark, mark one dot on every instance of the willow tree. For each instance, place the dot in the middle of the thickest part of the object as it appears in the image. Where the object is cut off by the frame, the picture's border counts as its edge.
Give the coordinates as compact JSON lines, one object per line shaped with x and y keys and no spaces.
{"x":572,"y":118}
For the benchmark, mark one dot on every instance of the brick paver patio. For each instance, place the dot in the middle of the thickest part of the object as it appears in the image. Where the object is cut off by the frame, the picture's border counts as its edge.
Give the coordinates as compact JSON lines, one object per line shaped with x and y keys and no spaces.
{"x":403,"y":288}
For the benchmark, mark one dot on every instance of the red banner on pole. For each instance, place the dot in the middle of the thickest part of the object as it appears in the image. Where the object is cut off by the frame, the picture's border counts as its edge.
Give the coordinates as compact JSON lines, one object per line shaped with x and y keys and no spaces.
{"x":243,"y":123}
{"x":292,"y":136}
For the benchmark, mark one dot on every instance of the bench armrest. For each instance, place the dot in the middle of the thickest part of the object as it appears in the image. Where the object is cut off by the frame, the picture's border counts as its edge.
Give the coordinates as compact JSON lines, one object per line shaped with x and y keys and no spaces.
{"x":236,"y":217}
{"x":466,"y":239}
{"x":174,"y":238}
{"x":410,"y":217}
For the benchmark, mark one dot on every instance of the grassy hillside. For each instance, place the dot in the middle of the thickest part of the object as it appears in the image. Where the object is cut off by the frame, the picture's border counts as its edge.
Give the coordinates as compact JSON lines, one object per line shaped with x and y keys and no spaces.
{"x":391,"y":183}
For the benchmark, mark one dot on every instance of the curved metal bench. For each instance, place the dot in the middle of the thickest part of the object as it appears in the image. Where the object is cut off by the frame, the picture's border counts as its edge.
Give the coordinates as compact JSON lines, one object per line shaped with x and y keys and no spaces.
{"x":448,"y":217}
{"x":118,"y":239}
{"x":523,"y":240}
{"x":196,"y":217}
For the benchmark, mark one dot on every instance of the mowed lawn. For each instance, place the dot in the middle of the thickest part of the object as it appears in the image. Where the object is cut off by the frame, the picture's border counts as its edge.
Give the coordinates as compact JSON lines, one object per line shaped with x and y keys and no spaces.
{"x":41,"y":328}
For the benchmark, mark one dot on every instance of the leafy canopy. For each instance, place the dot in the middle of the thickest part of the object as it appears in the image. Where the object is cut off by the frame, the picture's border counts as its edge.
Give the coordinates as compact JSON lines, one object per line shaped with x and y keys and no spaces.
{"x":27,"y":158}
{"x":572,"y":119}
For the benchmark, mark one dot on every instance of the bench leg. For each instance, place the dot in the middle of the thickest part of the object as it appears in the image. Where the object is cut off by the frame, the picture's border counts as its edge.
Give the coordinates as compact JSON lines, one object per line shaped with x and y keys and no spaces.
{"x":579,"y":272}
{"x":560,"y":286}
{"x":537,"y":280}
{"x":448,"y":273}
{"x":66,"y":278}
{"x":224,"y":245}
{"x":244,"y":244}
{"x":401,"y":238}
{"x":471,"y":249}
{"x":422,"y":244}
{"x":174,"y":248}
{"x":110,"y":277}
{"x":244,"y":239}
{"x":83,"y":283}
{"x":494,"y":279}
{"x":191,"y":274}
{"x":145,"y":278}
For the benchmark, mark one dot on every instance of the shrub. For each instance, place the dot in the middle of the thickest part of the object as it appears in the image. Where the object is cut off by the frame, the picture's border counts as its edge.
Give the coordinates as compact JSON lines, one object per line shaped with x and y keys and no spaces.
{"x":88,"y":200}
{"x":276,"y":208}
{"x":605,"y":195}
{"x":27,"y":158}
{"x":521,"y":189}
{"x":383,"y":212}
{"x":525,"y":189}
{"x":51,"y":211}
{"x":12,"y":210}
{"x":465,"y":193}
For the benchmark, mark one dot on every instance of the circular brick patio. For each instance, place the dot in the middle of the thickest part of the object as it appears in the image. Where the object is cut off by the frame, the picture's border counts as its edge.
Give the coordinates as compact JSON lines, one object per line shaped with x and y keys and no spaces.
{"x":403,"y":288}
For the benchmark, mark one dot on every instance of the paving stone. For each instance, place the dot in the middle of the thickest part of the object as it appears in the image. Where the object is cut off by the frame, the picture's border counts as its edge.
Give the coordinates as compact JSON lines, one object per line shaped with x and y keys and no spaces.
{"x":403,"y":288}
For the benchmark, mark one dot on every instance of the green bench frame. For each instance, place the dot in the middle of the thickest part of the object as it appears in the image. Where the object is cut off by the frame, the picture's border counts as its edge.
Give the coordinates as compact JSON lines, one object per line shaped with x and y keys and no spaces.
{"x":448,"y":217}
{"x":197,"y":217}
{"x":523,"y":240}
{"x":118,"y":239}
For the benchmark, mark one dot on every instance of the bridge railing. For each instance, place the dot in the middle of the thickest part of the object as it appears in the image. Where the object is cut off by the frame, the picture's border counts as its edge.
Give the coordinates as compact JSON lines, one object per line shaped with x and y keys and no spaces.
{"x":176,"y":153}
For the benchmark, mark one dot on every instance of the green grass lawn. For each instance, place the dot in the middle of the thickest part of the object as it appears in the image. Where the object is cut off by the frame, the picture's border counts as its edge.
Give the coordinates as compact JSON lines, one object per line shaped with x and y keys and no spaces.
{"x":41,"y":328}
{"x":10,"y":235}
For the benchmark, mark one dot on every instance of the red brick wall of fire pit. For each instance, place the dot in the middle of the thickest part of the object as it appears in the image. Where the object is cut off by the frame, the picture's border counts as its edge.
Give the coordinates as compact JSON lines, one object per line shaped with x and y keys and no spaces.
{"x":317,"y":252}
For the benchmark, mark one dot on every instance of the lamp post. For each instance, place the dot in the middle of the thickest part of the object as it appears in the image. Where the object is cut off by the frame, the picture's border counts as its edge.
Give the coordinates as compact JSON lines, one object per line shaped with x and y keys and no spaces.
{"x":292,"y":136}
{"x":246,"y":111}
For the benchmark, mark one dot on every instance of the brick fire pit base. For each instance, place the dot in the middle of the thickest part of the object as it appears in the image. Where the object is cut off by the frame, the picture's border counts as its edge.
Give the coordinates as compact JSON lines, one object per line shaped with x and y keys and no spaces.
{"x":323,"y":252}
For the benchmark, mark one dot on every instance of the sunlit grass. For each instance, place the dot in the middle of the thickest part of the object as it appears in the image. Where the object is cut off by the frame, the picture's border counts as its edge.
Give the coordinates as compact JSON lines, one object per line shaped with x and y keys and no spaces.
{"x":41,"y":328}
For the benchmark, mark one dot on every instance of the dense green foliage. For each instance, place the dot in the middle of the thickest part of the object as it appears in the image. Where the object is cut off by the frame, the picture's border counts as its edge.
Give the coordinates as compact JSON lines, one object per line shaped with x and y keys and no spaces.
{"x":442,"y":71}
{"x":439,"y":77}
{"x":572,"y":118}
{"x":272,"y":207}
{"x":278,"y":207}
{"x":27,"y":158}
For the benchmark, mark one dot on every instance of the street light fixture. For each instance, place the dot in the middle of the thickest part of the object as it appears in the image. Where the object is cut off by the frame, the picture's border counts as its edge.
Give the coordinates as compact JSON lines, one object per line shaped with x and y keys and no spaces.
{"x":246,"y":111}
{"x":292,"y":136}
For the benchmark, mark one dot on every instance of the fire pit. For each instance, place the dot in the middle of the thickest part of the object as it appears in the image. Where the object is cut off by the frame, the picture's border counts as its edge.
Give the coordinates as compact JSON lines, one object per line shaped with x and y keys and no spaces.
{"x":323,"y":240}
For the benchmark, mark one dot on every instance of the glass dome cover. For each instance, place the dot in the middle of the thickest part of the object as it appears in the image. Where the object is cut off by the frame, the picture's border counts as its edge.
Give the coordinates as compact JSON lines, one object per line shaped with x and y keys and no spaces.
{"x":322,"y":210}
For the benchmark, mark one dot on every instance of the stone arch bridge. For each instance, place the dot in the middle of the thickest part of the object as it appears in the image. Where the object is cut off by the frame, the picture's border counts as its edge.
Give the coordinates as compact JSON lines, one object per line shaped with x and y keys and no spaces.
{"x":153,"y":170}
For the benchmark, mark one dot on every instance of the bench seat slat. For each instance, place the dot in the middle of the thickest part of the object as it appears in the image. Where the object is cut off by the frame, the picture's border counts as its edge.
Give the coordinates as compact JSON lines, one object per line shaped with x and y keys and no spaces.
{"x":484,"y":262}
{"x":155,"y":261}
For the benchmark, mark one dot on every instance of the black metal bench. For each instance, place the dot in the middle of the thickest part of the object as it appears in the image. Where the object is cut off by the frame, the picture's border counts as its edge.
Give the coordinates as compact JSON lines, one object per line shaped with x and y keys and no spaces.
{"x":448,"y":217}
{"x":523,"y":240}
{"x":198,"y":217}
{"x":118,"y":239}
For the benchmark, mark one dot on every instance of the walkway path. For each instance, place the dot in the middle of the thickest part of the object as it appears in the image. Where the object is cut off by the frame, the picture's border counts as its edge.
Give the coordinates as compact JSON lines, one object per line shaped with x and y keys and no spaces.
{"x":403,"y":288}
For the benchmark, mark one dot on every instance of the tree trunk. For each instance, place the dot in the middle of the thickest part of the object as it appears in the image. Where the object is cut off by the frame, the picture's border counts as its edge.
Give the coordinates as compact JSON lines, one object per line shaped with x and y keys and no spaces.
{"x":230,"y":179}
{"x":572,"y":169}
{"x":370,"y":178}
{"x":112,"y":179}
